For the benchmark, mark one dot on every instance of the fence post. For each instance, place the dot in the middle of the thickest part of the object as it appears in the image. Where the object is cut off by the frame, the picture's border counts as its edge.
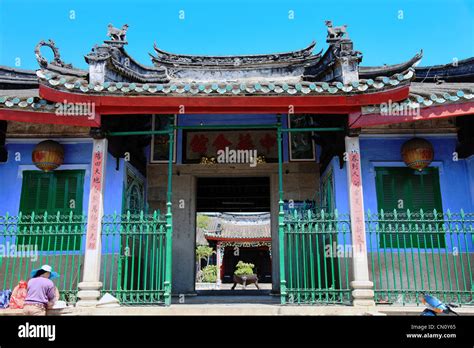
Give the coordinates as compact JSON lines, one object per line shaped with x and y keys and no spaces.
{"x":89,"y":288}
{"x":281,"y":236}
{"x":362,"y":287}
{"x":169,"y":218}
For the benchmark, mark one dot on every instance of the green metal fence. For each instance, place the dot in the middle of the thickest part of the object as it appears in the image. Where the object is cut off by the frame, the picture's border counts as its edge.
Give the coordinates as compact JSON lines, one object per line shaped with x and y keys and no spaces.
{"x":410,"y":253}
{"x":134,"y":258}
{"x":29,"y":241}
{"x":317,"y":257}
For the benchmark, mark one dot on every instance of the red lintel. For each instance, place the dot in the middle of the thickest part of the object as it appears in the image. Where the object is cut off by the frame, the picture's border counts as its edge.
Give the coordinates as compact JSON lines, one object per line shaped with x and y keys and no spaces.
{"x":107,"y":104}
{"x":428,"y":113}
{"x":48,"y":118}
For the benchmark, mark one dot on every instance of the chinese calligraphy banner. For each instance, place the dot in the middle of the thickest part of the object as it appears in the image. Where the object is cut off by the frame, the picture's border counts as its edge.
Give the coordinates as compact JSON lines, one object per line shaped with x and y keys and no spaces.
{"x":206,"y":143}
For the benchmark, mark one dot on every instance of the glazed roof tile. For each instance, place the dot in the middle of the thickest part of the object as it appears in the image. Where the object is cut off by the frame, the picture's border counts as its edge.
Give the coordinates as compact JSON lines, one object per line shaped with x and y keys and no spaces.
{"x":226,"y":88}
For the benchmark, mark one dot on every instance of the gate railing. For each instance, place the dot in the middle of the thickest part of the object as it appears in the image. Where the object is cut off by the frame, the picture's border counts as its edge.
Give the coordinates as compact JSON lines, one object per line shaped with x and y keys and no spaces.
{"x":134,"y":258}
{"x":317,"y":257}
{"x":29,"y":241}
{"x":134,"y":265}
{"x":410,"y":253}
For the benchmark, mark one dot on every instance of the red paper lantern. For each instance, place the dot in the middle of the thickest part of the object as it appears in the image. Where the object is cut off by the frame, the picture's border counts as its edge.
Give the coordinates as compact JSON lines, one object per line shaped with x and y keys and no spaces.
{"x":48,"y":155}
{"x":417,"y":153}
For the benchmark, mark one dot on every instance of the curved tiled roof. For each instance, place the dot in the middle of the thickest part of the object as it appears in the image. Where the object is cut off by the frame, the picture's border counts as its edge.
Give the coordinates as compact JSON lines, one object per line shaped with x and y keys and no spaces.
{"x":234,"y":61}
{"x":30,"y":103}
{"x":225,"y":88}
{"x":369,"y":72}
{"x":238,"y":227}
{"x":424,"y":95}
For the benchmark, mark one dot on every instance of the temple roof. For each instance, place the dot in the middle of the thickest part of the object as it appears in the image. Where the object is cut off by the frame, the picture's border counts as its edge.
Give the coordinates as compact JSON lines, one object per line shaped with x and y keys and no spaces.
{"x":256,"y":87}
{"x":370,"y":72}
{"x":423,"y":95}
{"x":234,"y":61}
{"x":333,"y":79}
{"x":13,"y":78}
{"x":238,"y":227}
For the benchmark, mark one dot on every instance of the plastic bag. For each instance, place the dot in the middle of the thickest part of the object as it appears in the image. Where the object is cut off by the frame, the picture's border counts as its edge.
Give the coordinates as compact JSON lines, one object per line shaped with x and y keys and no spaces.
{"x":18,"y":297}
{"x":5,"y":298}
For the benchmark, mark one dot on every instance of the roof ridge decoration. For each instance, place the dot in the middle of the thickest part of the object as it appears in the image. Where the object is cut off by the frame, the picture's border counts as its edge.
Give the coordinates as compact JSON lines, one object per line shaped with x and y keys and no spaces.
{"x":57,"y":64}
{"x":340,"y":62}
{"x":112,"y":69}
{"x":336,"y":34}
{"x":117,"y":36}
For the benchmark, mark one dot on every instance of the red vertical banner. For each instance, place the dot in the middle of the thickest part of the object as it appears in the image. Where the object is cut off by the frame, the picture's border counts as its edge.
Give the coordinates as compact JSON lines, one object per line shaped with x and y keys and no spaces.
{"x":95,"y":200}
{"x":356,"y":202}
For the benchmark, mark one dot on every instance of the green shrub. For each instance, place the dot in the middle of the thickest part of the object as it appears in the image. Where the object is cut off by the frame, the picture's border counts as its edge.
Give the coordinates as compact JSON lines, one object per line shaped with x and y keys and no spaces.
{"x":209,"y":274}
{"x":244,"y":268}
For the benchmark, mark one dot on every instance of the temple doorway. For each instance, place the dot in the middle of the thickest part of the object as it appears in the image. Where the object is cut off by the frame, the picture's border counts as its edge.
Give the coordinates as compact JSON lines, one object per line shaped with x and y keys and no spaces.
{"x":233,"y":235}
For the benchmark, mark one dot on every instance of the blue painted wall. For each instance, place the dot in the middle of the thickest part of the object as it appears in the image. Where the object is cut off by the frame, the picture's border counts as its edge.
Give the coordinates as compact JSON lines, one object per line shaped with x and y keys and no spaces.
{"x":75,"y":154}
{"x":470,"y":169}
{"x":453,"y":175}
{"x":456,"y":177}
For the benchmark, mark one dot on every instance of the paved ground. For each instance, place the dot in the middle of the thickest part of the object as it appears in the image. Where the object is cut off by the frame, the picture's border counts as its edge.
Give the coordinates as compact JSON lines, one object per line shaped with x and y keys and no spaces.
{"x":226,"y":286}
{"x":246,"y":304}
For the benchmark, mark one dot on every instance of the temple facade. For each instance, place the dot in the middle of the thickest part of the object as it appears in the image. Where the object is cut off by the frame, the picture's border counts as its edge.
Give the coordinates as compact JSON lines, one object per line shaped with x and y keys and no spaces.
{"x":364,"y":174}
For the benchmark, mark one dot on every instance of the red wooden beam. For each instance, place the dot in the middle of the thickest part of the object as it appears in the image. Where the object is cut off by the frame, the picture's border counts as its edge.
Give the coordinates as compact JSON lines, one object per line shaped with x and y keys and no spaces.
{"x":48,"y":118}
{"x":107,"y":104}
{"x":428,"y":113}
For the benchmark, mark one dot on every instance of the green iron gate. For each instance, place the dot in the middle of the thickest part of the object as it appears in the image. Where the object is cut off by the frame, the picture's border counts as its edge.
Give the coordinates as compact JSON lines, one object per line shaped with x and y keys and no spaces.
{"x":135,"y":258}
{"x":32,"y":240}
{"x":317,"y":251}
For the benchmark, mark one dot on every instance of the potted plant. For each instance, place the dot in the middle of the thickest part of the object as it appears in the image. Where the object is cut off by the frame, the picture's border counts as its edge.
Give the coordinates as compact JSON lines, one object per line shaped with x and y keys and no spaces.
{"x":244,"y":275}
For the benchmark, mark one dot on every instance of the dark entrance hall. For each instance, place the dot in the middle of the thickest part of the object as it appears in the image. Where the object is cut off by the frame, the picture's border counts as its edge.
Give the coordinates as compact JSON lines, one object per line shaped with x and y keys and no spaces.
{"x":237,"y":228}
{"x":233,"y":194}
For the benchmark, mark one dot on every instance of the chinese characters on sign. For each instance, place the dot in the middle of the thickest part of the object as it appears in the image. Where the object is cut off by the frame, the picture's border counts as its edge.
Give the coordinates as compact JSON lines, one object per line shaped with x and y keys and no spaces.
{"x":356,"y":202}
{"x":208,"y":143}
{"x":95,"y":200}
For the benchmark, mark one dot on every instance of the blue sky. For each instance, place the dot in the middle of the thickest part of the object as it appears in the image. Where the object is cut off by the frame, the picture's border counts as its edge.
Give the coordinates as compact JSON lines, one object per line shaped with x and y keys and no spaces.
{"x":444,"y":29}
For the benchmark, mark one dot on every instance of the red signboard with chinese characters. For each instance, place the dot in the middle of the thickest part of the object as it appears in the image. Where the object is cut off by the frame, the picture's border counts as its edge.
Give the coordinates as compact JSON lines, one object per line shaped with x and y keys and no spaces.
{"x":356,"y":201}
{"x":95,"y":200}
{"x":207,"y":143}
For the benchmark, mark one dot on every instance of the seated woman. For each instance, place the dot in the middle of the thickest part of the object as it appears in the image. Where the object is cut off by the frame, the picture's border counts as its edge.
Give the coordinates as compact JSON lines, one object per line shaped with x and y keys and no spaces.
{"x":41,"y":292}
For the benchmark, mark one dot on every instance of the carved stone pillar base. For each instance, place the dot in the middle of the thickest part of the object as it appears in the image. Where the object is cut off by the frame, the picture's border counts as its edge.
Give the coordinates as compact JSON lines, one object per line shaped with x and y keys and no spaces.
{"x":362,"y":293}
{"x":88,"y":294}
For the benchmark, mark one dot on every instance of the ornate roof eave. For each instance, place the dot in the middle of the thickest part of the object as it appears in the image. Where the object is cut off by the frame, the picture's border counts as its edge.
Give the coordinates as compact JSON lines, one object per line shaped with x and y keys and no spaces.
{"x":418,"y":99}
{"x":369,"y":72}
{"x":115,"y":56}
{"x":235,"y":61}
{"x":217,"y":88}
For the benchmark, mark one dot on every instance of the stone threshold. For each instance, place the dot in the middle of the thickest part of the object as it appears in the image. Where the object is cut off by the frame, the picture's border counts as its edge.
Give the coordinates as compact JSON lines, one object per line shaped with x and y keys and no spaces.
{"x":239,"y":310}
